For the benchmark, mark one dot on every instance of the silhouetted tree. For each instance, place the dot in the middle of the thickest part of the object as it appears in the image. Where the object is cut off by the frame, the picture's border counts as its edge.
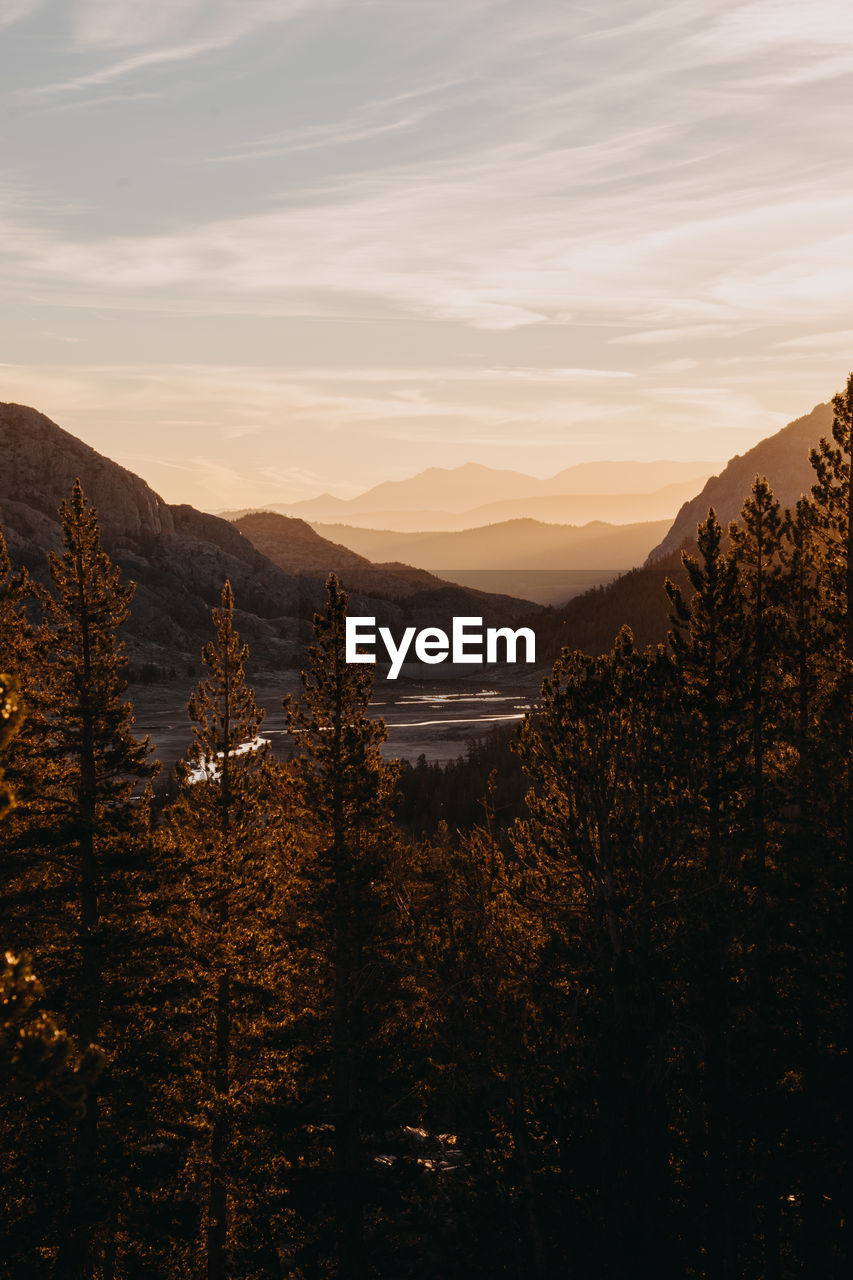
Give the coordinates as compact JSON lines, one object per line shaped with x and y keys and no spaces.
{"x":346,"y":790}
{"x":91,"y":730}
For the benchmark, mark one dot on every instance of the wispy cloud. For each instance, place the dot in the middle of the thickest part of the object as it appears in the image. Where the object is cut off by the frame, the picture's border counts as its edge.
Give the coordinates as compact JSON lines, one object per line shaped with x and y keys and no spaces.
{"x":163,"y":32}
{"x":14,"y":10}
{"x":635,"y":208}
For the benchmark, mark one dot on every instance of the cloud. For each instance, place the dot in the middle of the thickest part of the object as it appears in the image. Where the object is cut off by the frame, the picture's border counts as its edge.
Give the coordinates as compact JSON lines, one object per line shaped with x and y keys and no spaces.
{"x":119,"y":24}
{"x":164,"y":32}
{"x":14,"y":10}
{"x":835,"y":340}
{"x":618,"y":201}
{"x":628,"y":195}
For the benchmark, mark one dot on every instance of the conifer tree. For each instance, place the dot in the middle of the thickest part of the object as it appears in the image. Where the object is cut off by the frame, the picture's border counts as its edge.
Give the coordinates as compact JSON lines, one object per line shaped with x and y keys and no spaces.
{"x":14,"y":590}
{"x":833,"y":512}
{"x":487,"y":1004}
{"x":755,"y":542}
{"x":802,"y":646}
{"x":91,"y":729}
{"x":701,"y":640}
{"x":33,"y":1049}
{"x":608,"y":837}
{"x":346,"y":791}
{"x":806,"y":956}
{"x":25,"y":648}
{"x":224,"y":827}
{"x":756,"y":638}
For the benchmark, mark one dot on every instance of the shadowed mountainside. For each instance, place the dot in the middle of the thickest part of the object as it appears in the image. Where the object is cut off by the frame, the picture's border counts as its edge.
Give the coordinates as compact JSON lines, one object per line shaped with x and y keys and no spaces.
{"x":422,"y":598}
{"x":177,"y":556}
{"x":783,"y":458}
{"x":293,"y":545}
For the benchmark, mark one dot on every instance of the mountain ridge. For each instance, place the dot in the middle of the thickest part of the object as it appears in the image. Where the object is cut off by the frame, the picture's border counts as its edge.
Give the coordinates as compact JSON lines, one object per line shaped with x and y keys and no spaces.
{"x":782,"y":457}
{"x":177,"y":556}
{"x":453,"y":491}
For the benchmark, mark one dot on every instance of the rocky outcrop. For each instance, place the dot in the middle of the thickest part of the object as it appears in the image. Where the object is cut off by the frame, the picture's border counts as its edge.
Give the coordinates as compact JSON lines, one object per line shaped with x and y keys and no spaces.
{"x":40,"y":462}
{"x":177,"y":556}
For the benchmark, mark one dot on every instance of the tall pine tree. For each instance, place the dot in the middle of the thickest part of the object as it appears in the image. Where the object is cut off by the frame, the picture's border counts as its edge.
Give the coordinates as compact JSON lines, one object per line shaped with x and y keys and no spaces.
{"x":224,"y":829}
{"x":91,"y":729}
{"x":346,"y":790}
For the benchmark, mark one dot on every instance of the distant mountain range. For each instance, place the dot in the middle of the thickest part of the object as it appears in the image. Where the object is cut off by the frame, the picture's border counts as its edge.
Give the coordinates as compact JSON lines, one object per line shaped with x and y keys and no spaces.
{"x":470,"y":495}
{"x":547,"y":564}
{"x":511,"y":544}
{"x":179,"y":557}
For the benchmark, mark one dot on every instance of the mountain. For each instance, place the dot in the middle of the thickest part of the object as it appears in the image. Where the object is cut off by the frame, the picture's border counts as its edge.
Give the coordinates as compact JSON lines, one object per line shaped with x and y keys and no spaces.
{"x":422,"y":598}
{"x":177,"y":556}
{"x":637,"y":598}
{"x":563,"y":508}
{"x":783,"y":458}
{"x":512,"y":544}
{"x":460,"y":497}
{"x":448,"y":489}
{"x":293,"y":545}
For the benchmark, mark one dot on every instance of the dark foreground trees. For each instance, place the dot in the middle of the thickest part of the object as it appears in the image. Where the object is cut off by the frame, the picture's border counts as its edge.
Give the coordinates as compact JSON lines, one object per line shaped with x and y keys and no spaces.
{"x":605,"y":1035}
{"x":223,"y":848}
{"x":349,"y":909}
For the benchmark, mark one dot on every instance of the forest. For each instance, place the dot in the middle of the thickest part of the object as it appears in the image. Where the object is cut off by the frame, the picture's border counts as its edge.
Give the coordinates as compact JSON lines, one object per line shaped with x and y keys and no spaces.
{"x":578,"y":1006}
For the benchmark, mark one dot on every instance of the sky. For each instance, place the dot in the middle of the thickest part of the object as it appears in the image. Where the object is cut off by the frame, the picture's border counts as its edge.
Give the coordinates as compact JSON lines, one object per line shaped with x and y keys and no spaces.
{"x":258,"y":249}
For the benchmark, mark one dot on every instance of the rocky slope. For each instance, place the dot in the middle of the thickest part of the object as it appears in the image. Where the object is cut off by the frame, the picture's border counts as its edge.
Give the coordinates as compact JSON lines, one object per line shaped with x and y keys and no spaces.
{"x":179,"y":557}
{"x":783,"y":458}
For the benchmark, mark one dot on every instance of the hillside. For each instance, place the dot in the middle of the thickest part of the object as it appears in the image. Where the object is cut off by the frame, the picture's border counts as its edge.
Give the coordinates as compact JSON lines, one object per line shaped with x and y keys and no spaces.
{"x":637,"y":599}
{"x":294,"y":546}
{"x":783,"y":458}
{"x":421,"y":597}
{"x":177,"y":556}
{"x":592,"y":621}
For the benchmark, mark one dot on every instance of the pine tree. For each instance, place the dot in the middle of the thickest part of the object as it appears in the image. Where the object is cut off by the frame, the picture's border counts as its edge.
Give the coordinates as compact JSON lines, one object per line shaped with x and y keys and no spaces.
{"x":833,"y":512}
{"x":756,"y":651}
{"x":701,"y":640}
{"x":346,"y":791}
{"x":224,"y":829}
{"x":806,"y":953}
{"x":91,"y":729}
{"x":33,"y":1049}
{"x":610,"y":837}
{"x":25,"y":648}
{"x":755,"y":545}
{"x":14,"y":591}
